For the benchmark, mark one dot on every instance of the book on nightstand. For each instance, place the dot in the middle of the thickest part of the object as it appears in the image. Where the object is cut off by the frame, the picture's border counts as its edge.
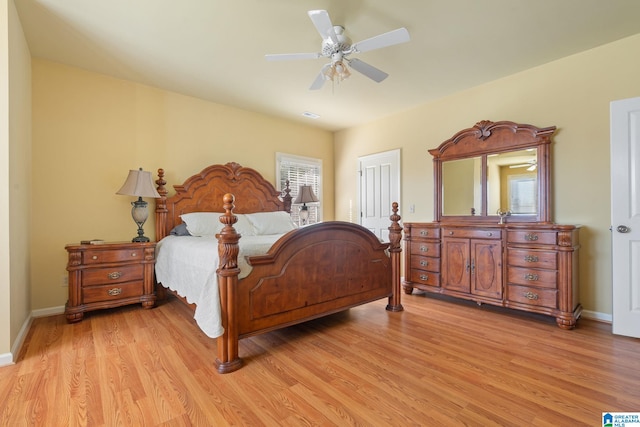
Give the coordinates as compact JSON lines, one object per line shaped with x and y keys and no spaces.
{"x":92,"y":242}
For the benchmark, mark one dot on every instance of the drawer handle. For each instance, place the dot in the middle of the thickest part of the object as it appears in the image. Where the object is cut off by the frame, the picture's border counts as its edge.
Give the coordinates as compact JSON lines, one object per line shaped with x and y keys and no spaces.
{"x":531,"y":258}
{"x":424,"y":233}
{"x":424,"y":249}
{"x":115,"y":275}
{"x":531,"y":237}
{"x":530,"y":295}
{"x":424,"y":277}
{"x":423,"y":263}
{"x":94,"y":257}
{"x":530,"y":276}
{"x":134,"y":254}
{"x":114,"y":292}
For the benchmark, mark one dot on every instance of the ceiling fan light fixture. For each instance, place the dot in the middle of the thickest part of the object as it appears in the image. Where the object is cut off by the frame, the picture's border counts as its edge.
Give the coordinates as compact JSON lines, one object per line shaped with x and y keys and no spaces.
{"x":338,"y":70}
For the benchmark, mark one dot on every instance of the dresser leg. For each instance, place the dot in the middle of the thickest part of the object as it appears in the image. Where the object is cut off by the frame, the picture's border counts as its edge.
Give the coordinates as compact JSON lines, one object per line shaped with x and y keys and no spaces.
{"x":74,"y":317}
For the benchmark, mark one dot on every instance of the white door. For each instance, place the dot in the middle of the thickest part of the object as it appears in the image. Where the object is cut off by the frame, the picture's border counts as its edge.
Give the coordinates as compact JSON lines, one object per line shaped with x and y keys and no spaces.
{"x":379,"y":188}
{"x":625,"y":215}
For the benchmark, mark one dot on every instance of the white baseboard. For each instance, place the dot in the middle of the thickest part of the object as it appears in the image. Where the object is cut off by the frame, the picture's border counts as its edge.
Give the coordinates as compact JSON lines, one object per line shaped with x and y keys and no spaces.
{"x":594,"y":315}
{"x":51,"y":311}
{"x":6,"y":359}
{"x":9,"y":358}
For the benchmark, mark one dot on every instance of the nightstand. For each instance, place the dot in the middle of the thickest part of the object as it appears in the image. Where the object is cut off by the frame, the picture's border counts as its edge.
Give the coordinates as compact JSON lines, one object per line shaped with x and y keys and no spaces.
{"x":109,"y":275}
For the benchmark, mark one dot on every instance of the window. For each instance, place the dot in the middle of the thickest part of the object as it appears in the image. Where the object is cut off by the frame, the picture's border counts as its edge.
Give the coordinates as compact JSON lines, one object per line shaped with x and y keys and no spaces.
{"x":301,"y":171}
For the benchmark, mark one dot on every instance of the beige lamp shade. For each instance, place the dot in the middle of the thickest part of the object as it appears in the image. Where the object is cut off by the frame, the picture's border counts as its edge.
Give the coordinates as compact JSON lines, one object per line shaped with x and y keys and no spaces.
{"x":139,"y":183}
{"x":305,"y":195}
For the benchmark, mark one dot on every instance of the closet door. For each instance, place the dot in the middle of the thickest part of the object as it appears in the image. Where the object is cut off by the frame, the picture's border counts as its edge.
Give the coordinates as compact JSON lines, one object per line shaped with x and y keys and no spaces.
{"x":625,"y":216}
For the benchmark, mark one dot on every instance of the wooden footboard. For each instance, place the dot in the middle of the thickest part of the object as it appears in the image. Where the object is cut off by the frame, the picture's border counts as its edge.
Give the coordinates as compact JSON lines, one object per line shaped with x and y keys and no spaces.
{"x":312,"y":272}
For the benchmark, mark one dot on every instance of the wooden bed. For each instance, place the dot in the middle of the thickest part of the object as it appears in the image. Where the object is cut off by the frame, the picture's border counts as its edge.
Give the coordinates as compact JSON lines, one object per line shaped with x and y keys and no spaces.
{"x":308,"y":273}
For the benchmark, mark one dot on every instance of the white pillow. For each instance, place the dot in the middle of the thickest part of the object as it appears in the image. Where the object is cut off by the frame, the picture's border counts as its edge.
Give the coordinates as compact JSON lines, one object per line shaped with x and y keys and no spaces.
{"x":208,"y":224}
{"x":271,"y":222}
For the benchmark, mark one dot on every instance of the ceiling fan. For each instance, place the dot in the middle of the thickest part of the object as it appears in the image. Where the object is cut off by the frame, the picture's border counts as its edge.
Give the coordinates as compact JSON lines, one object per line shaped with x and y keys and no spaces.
{"x":338,"y":47}
{"x":531,"y":165}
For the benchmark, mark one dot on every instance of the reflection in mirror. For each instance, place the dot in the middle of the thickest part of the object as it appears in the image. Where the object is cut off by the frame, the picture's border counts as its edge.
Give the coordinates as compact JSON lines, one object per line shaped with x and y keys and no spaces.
{"x":462,"y":187}
{"x":512,"y":182}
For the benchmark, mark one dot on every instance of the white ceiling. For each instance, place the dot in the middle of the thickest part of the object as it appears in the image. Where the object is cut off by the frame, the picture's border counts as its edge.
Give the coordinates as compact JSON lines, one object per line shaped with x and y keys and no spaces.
{"x":214,"y":49}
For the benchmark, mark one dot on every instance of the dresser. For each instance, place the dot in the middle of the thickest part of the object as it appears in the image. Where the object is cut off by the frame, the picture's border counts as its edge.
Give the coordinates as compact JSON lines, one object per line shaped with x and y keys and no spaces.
{"x":531,"y":268}
{"x":492,"y":239}
{"x":109,"y":275}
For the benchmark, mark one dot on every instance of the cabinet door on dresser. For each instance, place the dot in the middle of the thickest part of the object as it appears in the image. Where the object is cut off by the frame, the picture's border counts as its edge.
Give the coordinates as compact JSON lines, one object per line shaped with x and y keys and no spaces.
{"x":472,"y":262}
{"x":486,"y":268}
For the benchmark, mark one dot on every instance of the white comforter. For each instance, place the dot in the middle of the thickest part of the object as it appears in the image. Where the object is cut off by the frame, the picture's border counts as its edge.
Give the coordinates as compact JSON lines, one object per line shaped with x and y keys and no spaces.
{"x":187,"y":265}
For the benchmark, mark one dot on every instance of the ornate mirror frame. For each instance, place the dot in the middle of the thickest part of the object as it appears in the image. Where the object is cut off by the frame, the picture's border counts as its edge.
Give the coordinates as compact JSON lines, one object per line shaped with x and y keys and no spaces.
{"x":483,"y":140}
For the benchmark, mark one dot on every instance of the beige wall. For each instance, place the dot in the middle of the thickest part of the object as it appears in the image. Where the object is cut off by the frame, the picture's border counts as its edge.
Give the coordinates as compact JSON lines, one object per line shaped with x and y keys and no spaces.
{"x":89,"y":130}
{"x":5,"y":271}
{"x":573,"y":94}
{"x":15,"y":162}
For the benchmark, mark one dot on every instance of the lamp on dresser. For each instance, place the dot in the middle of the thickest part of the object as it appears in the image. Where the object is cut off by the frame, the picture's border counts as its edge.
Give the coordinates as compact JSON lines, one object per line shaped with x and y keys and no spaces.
{"x":305,"y":195}
{"x":139,"y":183}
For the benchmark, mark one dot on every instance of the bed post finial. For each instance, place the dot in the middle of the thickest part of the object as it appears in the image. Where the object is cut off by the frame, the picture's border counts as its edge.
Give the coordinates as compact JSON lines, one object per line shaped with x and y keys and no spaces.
{"x":286,"y":198}
{"x":228,"y":271}
{"x":161,"y":207}
{"x":395,"y":235}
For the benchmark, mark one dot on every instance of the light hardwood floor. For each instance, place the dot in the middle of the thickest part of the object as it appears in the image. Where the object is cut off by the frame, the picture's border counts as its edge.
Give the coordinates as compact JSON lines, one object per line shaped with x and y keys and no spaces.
{"x":437,"y":363}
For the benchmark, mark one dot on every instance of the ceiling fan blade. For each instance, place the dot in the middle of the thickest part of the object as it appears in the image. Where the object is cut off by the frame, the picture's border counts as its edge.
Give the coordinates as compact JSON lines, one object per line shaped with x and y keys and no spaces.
{"x":291,"y":56}
{"x":320,"y":79}
{"x":368,"y":70}
{"x":401,"y":35}
{"x":321,"y":20}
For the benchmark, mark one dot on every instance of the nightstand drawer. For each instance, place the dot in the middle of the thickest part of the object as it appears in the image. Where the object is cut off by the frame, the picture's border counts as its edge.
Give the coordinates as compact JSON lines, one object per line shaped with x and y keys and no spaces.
{"x":116,"y":274}
{"x":114,"y":291}
{"x":98,"y":256}
{"x":533,"y":296}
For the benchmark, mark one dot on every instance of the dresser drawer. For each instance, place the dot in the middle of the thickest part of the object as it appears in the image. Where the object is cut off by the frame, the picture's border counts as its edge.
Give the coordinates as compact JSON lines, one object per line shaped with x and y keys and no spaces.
{"x":425,"y":263}
{"x":113,"y":291}
{"x":425,"y":249}
{"x":425,"y":232}
{"x":532,"y":258}
{"x":532,"y":236}
{"x":425,"y":277}
{"x":97,"y":256}
{"x":475,"y":233}
{"x":116,"y":274}
{"x":533,"y":296}
{"x":533,"y":277}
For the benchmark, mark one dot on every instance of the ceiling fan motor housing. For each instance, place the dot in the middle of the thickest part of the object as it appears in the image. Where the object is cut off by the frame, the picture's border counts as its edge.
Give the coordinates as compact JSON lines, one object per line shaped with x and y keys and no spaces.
{"x":329,"y":48}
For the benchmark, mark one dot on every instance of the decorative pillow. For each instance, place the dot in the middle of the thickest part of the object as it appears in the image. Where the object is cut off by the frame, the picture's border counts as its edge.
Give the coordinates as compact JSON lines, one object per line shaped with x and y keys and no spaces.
{"x":271,"y":222}
{"x":180,"y":230}
{"x":208,"y":224}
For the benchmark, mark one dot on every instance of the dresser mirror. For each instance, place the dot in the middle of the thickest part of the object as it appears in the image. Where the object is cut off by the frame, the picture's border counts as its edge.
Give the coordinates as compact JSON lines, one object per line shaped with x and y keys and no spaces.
{"x":494,"y":171}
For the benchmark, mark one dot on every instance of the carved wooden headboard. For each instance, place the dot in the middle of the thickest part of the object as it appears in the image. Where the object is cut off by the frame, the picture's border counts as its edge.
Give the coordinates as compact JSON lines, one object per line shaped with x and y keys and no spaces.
{"x":204,"y":191}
